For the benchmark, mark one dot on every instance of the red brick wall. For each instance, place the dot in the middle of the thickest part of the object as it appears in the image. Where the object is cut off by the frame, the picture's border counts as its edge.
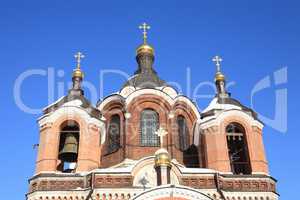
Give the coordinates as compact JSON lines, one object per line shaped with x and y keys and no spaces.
{"x":110,"y":159}
{"x":130,"y":140}
{"x":89,"y":144}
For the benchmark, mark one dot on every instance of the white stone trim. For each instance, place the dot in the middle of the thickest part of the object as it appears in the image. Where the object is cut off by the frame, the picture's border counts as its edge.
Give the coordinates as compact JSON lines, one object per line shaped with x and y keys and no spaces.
{"x":108,"y":99}
{"x":152,"y":193}
{"x":156,"y":92}
{"x":172,"y":190}
{"x":165,"y":96}
{"x":139,"y":92}
{"x":247,"y":195}
{"x":58,"y":100}
{"x":70,"y":110}
{"x":171,"y":115}
{"x":196,"y":134}
{"x":170,"y":91}
{"x":215,"y":105}
{"x":127,"y":115}
{"x":127,"y":91}
{"x":44,"y":194}
{"x":218,"y":118}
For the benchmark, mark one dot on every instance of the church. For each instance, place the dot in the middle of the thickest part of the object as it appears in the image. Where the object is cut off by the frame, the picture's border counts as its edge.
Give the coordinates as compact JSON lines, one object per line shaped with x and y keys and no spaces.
{"x":148,"y":142}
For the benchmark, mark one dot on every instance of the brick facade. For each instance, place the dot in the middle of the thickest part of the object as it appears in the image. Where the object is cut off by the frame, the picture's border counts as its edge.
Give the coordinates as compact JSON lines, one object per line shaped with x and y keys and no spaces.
{"x":225,"y":182}
{"x":104,"y":174}
{"x":130,"y":131}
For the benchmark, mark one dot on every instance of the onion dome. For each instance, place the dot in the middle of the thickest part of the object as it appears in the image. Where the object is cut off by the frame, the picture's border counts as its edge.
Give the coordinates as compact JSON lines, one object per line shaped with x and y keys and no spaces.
{"x":145,"y":76}
{"x":219,"y":76}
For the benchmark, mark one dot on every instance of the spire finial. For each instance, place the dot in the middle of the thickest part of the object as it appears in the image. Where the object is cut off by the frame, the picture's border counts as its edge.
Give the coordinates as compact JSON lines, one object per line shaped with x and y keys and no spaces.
{"x":144,"y":27}
{"x":217,"y":60}
{"x":77,"y":72}
{"x":219,"y":77}
{"x":78,"y":57}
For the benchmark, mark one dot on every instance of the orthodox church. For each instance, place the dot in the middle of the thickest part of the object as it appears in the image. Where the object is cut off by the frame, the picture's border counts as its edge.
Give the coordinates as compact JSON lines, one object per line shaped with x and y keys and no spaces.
{"x":147,"y":142}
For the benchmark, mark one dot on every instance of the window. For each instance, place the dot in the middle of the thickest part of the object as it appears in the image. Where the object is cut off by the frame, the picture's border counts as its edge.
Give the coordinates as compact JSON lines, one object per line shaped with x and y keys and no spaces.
{"x":237,"y":149}
{"x":114,"y":133}
{"x":183,"y":133}
{"x":149,"y":123}
{"x":191,"y":157}
{"x":68,"y":146}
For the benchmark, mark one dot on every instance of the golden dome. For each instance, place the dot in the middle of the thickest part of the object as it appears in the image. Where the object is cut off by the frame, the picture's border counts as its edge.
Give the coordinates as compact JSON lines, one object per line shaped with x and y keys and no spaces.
{"x":145,"y":48}
{"x":219,"y":77}
{"x":78,"y":73}
{"x":162,"y":158}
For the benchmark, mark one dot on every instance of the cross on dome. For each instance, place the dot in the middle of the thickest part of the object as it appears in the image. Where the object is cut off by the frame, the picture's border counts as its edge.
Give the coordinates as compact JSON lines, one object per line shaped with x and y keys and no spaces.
{"x":218,"y":60}
{"x":77,"y":72}
{"x":78,"y":57}
{"x":144,"y":27}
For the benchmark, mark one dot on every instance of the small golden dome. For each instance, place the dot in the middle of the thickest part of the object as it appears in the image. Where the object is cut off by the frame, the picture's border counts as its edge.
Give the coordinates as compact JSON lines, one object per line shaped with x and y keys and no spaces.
{"x":78,"y":73}
{"x":162,"y":158}
{"x":145,"y":48}
{"x":219,"y":77}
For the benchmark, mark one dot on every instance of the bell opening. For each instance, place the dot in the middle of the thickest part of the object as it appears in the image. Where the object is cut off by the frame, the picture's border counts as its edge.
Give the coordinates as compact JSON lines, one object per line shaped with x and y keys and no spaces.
{"x":68,"y":146}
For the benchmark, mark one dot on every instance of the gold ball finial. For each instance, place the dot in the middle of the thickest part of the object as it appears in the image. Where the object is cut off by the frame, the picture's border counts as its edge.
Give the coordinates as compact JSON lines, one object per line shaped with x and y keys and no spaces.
{"x":162,"y":158}
{"x":145,"y":48}
{"x":77,"y":72}
{"x":219,"y":77}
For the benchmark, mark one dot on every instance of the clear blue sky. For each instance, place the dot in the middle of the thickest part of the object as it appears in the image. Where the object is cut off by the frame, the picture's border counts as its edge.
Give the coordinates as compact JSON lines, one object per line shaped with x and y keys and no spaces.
{"x":255,"y":39}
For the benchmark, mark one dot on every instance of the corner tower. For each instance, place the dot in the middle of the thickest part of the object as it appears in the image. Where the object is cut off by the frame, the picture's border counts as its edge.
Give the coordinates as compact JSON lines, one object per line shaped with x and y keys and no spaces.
{"x":232,"y":133}
{"x":70,"y":132}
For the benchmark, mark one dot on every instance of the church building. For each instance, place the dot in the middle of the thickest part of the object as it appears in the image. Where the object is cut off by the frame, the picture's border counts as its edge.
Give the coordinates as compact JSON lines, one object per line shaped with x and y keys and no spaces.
{"x":148,"y":142}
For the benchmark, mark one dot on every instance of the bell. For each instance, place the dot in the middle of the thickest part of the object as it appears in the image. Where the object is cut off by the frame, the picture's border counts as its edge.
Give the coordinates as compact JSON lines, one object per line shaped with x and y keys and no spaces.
{"x":69,"y":151}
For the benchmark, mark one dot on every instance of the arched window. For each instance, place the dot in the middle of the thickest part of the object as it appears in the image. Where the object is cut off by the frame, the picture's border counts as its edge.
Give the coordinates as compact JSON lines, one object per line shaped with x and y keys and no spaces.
{"x":237,"y":149}
{"x":149,"y":123}
{"x":68,"y":146}
{"x":183,"y":133}
{"x":114,"y":133}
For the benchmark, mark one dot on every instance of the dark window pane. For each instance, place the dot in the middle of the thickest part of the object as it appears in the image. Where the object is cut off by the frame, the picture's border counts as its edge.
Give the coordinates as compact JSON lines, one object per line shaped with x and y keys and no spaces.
{"x":183,"y":133}
{"x":149,"y":123}
{"x":114,"y":134}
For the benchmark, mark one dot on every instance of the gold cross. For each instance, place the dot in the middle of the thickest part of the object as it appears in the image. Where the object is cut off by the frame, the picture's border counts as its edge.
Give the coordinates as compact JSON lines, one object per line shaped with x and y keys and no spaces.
{"x":78,"y":57}
{"x":161,"y":133}
{"x":144,"y":27}
{"x":217,"y":60}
